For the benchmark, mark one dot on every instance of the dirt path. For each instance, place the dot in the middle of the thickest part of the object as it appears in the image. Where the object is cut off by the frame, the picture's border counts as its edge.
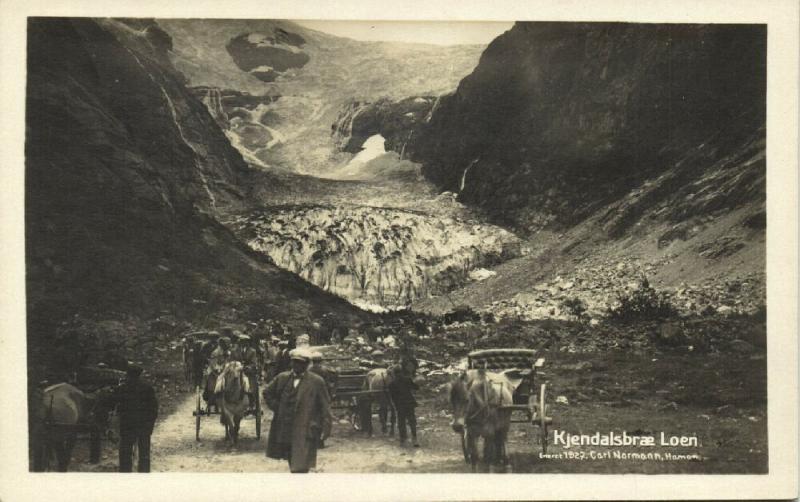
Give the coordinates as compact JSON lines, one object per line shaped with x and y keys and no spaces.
{"x":175,"y":449}
{"x":718,"y":399}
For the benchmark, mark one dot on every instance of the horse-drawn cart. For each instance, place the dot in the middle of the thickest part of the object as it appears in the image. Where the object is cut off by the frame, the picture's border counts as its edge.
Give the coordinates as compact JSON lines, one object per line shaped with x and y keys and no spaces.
{"x":354,"y":388}
{"x":64,"y":413}
{"x":520,"y":367}
{"x":206,"y":402}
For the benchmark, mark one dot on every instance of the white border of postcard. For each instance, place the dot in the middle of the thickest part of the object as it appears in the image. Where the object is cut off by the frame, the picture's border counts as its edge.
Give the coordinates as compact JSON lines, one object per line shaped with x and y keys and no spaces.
{"x":16,"y":483}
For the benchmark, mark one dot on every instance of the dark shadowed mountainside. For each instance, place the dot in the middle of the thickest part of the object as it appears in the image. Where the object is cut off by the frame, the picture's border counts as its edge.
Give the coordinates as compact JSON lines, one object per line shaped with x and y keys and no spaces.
{"x":609,"y":144}
{"x":559,"y":120}
{"x":126,"y":172}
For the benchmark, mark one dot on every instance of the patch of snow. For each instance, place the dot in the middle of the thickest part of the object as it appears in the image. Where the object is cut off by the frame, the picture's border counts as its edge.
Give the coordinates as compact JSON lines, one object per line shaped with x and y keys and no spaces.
{"x":264,"y":68}
{"x":480,"y":274}
{"x":369,"y":307}
{"x":373,"y":147}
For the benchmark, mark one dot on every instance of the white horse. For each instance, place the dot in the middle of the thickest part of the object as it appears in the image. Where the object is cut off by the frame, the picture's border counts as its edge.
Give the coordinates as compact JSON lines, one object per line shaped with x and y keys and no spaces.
{"x":232,"y":389}
{"x":479,"y":399}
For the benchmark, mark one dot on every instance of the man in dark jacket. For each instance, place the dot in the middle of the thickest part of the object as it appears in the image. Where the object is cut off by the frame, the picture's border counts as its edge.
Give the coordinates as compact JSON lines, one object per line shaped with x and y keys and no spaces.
{"x":401,"y":389}
{"x":302,"y":416}
{"x":138,"y":408}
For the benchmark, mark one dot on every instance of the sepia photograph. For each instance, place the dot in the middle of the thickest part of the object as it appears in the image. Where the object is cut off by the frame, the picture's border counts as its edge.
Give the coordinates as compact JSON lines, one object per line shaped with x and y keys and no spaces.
{"x":332,"y":246}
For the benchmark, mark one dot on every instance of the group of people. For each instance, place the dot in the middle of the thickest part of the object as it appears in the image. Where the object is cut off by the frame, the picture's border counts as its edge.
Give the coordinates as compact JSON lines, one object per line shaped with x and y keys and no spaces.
{"x":299,"y":392}
{"x":301,"y":401}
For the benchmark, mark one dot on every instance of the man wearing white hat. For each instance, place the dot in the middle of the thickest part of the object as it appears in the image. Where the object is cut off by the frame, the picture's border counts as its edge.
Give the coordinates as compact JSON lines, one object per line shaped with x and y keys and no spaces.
{"x":301,"y":406}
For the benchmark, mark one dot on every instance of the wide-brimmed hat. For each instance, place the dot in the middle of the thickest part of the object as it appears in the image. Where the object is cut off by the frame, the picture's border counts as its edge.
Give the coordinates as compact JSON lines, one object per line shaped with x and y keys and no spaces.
{"x":133,"y":369}
{"x":300,"y":354}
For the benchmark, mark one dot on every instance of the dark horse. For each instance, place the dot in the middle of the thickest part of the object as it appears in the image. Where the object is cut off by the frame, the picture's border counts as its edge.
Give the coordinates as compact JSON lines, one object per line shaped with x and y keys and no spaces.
{"x":58,"y":414}
{"x":233,"y":389}
{"x":378,"y":379}
{"x":478,"y":398}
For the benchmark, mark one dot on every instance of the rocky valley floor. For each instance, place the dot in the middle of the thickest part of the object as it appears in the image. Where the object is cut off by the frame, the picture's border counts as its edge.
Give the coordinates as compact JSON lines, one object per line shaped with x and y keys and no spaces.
{"x":718,"y":398}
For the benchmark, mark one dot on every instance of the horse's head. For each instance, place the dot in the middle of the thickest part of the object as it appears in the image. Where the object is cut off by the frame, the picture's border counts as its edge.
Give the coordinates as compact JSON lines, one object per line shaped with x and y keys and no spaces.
{"x":459,"y":397}
{"x":100,"y":403}
{"x":233,"y":381}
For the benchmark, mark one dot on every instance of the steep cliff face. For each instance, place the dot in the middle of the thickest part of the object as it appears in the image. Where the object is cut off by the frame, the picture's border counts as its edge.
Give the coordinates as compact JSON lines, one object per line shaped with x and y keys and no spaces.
{"x":559,"y":119}
{"x":126,"y":172}
{"x":101,"y":93}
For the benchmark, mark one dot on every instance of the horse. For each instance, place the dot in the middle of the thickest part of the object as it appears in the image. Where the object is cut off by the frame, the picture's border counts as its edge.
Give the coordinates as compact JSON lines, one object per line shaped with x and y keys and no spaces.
{"x":378,"y":379}
{"x":57,"y":414}
{"x":477,"y":398}
{"x":233,"y":391}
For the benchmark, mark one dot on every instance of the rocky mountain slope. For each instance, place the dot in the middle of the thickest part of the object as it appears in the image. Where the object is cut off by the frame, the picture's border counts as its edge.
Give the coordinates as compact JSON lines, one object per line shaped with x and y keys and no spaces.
{"x":561,"y":119}
{"x":621,"y":143}
{"x":126,"y":172}
{"x":304,"y":77}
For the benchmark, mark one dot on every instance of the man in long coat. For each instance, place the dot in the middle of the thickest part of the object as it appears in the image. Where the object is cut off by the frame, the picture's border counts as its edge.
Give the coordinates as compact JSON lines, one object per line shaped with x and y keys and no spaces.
{"x":402,"y":385}
{"x":138,"y":408}
{"x":302,"y":417}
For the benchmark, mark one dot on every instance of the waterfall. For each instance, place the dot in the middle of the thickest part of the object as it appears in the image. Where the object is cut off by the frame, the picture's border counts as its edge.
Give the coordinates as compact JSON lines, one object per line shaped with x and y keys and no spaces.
{"x":403,"y":150}
{"x":174,"y":114}
{"x":433,"y":109}
{"x":213,"y":102}
{"x":464,"y":175}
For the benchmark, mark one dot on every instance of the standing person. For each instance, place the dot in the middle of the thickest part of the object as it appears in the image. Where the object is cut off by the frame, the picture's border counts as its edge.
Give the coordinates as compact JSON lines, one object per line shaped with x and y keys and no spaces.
{"x":216,"y":362}
{"x":328,"y":375}
{"x":303,"y":341}
{"x":220,"y":356}
{"x":245,"y":353}
{"x":271,"y":363}
{"x":401,"y":389}
{"x":283,"y":360}
{"x":302,"y":416}
{"x":138,"y":408}
{"x":318,"y":366}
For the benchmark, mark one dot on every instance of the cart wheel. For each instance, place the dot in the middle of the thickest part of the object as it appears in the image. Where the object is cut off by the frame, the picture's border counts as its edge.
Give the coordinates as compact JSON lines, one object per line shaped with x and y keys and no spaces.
{"x":543,"y":417}
{"x":197,"y":413}
{"x":135,"y":455}
{"x":258,"y":413}
{"x":464,"y":446}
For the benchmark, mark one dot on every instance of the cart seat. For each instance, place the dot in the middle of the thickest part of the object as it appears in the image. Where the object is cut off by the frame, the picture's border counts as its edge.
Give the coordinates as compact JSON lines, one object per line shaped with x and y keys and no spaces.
{"x":502,"y":359}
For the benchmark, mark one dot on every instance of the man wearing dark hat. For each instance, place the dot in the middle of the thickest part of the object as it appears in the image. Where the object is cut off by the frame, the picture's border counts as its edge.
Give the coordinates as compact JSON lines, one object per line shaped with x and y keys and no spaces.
{"x":401,"y":389}
{"x":138,"y":408}
{"x":284,"y":360}
{"x":302,"y":417}
{"x":220,"y":356}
